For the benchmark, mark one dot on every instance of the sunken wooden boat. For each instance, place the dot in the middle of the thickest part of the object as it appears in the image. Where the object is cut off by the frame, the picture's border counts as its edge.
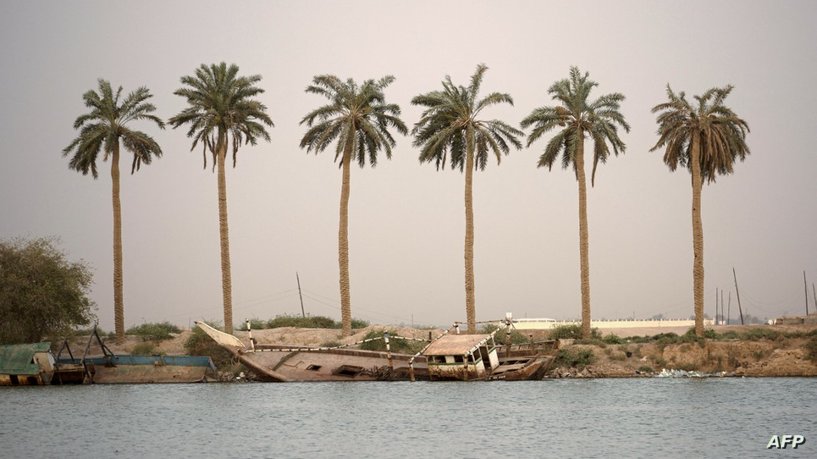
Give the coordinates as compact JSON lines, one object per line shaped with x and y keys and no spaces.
{"x":478,"y":357}
{"x":277,"y":363}
{"x":448,"y":357}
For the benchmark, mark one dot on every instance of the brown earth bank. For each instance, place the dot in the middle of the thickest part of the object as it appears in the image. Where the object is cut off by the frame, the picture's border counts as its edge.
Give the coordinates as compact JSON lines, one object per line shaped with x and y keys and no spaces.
{"x":758,"y":350}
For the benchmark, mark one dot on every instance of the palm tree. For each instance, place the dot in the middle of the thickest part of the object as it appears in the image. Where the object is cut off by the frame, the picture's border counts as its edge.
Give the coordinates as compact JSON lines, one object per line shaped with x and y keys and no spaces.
{"x":104,"y":127}
{"x":578,"y":117}
{"x":449,"y":130}
{"x":222,"y":110}
{"x":359,"y":118}
{"x":707,"y":139}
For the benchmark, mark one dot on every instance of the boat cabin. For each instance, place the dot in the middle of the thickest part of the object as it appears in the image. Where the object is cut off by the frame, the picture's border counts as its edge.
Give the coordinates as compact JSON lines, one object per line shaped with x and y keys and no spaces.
{"x":461,"y":357}
{"x":26,"y":364}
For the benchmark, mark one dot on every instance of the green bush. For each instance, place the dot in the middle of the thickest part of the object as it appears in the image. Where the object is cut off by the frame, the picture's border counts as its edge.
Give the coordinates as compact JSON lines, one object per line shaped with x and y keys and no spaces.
{"x":574,"y":332}
{"x":566,"y":332}
{"x":255,"y":324}
{"x":145,"y":348}
{"x":200,"y":344}
{"x":301,"y":322}
{"x":399,"y":345}
{"x":574,"y":358}
{"x":729,"y":334}
{"x":500,"y":337}
{"x":612,"y":339}
{"x":310,"y":322}
{"x":757,"y":334}
{"x":154,"y":331}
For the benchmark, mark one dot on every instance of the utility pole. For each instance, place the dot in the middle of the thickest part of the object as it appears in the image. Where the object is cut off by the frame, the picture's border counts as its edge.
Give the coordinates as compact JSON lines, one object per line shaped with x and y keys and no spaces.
{"x":722,"y":319}
{"x":814,"y":296}
{"x":298,"y":278}
{"x":716,"y":305}
{"x":805,"y":288}
{"x":729,"y":307}
{"x":740,"y":310}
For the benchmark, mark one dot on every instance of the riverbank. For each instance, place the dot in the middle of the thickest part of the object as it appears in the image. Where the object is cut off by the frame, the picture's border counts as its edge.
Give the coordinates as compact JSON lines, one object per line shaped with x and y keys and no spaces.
{"x":752,"y":350}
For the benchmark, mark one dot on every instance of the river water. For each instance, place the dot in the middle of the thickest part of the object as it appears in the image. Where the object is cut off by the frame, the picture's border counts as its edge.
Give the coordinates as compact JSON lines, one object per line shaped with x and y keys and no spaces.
{"x":655,"y":418}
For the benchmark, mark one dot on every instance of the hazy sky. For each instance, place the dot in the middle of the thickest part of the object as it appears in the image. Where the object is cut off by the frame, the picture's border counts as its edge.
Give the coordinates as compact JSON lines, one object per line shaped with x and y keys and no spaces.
{"x":407,"y":219}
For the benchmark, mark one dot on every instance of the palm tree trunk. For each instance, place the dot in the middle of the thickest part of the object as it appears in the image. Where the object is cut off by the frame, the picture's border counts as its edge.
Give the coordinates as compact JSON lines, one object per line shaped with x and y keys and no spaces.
{"x":470,"y":306}
{"x":697,"y":236}
{"x":118,"y":296}
{"x":584,"y":248}
{"x":224,"y":233}
{"x":343,"y":243}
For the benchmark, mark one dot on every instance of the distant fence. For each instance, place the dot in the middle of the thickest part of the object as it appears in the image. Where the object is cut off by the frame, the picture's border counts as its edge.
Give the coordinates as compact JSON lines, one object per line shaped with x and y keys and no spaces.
{"x":547,"y":324}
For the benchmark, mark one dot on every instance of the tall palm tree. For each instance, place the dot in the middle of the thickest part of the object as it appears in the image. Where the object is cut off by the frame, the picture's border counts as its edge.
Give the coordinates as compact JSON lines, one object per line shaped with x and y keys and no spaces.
{"x":222,"y":110}
{"x":707,"y":139}
{"x":104,"y":128}
{"x":449,"y":130}
{"x":359,"y":118}
{"x":577,"y":117}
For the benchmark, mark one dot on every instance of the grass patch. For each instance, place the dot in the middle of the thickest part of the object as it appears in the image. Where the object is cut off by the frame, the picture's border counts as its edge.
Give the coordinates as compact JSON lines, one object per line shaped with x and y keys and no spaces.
{"x":399,"y":345}
{"x":154,"y":331}
{"x":612,"y":339}
{"x":310,"y":322}
{"x":757,"y":334}
{"x":146,"y":348}
{"x":517,"y":337}
{"x":570,"y":358}
{"x":255,"y":324}
{"x":200,"y":344}
{"x":573,"y":332}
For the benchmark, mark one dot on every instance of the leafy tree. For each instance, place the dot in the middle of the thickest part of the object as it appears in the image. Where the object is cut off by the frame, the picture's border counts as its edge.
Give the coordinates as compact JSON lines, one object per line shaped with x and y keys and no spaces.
{"x":707,"y":139}
{"x":222,"y":109}
{"x":104,"y":128}
{"x":41,"y":292}
{"x":449,"y":130}
{"x":359,"y":119}
{"x":577,"y":117}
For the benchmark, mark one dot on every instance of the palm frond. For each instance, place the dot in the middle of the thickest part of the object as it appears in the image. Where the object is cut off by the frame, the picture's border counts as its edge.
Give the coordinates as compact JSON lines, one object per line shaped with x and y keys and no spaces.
{"x":720,"y":133}
{"x":357,"y":118}
{"x":222,"y":105}
{"x":577,"y":115}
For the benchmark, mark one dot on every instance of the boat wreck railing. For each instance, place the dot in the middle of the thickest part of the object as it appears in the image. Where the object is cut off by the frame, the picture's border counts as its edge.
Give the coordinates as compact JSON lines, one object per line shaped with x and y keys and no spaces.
{"x":288,"y":348}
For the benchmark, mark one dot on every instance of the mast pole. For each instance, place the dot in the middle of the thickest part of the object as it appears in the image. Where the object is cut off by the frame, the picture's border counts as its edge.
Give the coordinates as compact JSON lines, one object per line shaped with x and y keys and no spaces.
{"x":740,"y":310}
{"x":722,"y":318}
{"x":300,"y":295}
